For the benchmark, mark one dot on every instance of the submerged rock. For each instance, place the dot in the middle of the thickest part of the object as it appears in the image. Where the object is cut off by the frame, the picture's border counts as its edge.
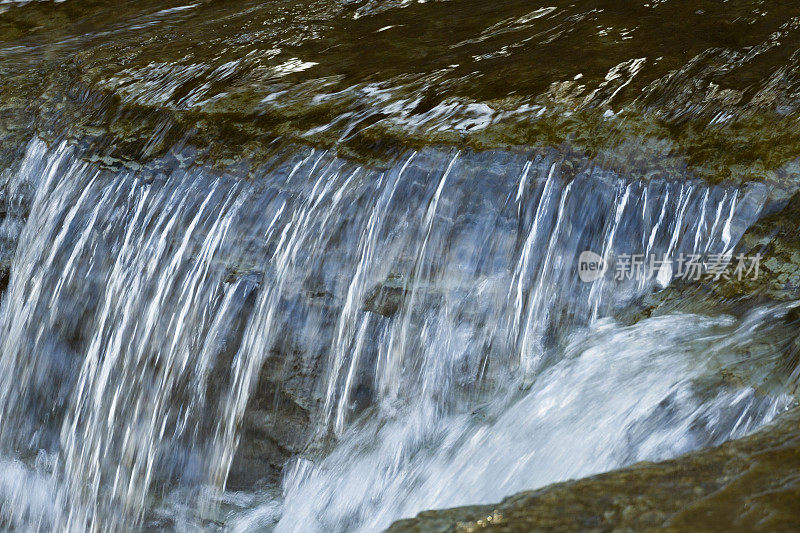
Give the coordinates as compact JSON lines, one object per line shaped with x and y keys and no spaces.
{"x":386,"y":298}
{"x":275,"y":428}
{"x":645,"y":95}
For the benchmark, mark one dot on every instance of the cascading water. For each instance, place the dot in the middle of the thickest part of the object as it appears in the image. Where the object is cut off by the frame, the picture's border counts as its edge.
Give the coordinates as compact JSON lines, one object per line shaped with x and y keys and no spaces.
{"x":444,"y":367}
{"x":571,"y":422}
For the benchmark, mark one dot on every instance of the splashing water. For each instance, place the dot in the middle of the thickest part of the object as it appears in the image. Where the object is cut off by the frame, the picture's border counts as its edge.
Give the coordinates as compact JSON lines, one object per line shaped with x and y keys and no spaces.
{"x":430,"y":311}
{"x":613,"y":400}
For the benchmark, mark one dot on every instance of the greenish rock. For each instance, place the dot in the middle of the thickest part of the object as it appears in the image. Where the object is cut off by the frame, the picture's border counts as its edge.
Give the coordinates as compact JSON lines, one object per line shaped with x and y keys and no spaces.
{"x":776,"y":240}
{"x":387,"y":298}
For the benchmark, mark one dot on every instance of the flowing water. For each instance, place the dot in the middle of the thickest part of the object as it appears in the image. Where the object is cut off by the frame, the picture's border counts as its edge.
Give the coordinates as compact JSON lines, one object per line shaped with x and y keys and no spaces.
{"x":424,"y":308}
{"x":451,"y":368}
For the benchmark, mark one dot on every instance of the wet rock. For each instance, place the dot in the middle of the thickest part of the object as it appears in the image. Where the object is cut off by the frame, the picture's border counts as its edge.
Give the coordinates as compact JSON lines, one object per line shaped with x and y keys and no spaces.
{"x":773,"y":240}
{"x":776,"y":241}
{"x":275,"y":428}
{"x":386,"y":298}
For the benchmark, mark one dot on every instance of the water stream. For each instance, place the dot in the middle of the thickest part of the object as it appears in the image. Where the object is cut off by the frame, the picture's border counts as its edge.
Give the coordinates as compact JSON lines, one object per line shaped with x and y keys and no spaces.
{"x":441,"y":367}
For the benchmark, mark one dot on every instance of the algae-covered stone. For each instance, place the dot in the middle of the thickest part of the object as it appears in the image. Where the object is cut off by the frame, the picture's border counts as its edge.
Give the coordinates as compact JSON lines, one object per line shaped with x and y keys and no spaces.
{"x":776,"y":240}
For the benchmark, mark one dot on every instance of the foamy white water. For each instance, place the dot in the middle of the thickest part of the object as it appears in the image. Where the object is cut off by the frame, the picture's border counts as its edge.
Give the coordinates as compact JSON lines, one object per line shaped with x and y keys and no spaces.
{"x":615,"y":398}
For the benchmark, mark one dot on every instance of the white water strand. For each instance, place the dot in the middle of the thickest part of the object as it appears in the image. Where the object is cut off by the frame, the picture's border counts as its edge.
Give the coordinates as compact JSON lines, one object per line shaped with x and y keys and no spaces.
{"x":127,"y":341}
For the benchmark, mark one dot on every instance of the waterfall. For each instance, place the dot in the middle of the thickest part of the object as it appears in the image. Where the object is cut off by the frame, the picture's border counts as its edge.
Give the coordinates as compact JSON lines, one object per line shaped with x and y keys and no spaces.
{"x":431,"y":311}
